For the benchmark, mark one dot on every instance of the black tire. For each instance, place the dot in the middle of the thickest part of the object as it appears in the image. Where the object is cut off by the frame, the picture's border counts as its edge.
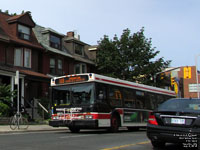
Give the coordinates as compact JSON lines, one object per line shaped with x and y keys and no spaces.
{"x":133,"y":128}
{"x":158,"y":144}
{"x":74,"y":129}
{"x":23,"y":123}
{"x":114,"y":124}
{"x":13,"y":123}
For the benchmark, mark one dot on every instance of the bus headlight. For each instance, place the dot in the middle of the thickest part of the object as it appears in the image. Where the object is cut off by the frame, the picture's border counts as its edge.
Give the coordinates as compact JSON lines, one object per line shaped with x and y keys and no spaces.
{"x":88,"y":117}
{"x":55,"y":117}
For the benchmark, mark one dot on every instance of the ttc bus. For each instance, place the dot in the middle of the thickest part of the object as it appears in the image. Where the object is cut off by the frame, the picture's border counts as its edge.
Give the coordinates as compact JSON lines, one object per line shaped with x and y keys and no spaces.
{"x":91,"y":101}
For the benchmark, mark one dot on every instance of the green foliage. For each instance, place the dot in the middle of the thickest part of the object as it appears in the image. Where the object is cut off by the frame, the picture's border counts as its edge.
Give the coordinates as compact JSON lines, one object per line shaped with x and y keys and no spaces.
{"x":22,"y":12}
{"x":5,"y":99}
{"x":7,"y":12}
{"x":6,"y":94}
{"x":130,"y":57}
{"x":4,"y":109}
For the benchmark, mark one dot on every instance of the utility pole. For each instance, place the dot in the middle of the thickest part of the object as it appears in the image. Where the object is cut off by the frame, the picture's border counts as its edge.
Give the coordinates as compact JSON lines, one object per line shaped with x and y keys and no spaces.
{"x":17,"y":83}
{"x":197,"y":78}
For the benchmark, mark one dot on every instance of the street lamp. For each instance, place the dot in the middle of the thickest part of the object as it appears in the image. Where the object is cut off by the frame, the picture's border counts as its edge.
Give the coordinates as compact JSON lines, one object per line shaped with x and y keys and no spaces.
{"x":197,"y":79}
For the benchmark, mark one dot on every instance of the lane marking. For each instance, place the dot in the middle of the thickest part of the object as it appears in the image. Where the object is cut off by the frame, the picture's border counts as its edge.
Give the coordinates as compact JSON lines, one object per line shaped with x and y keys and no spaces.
{"x":128,"y":145}
{"x":73,"y":136}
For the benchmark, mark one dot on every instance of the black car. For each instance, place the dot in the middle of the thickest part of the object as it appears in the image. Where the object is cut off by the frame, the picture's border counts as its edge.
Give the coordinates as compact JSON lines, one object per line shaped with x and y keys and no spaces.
{"x":175,"y":121}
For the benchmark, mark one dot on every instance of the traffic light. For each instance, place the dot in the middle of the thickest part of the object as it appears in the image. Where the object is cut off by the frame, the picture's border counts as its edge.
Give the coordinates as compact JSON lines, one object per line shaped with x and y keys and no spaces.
{"x":172,"y":80}
{"x":162,"y":76}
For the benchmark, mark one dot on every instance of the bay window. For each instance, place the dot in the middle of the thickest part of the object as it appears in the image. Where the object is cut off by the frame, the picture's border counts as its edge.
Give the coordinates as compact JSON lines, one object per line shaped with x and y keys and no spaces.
{"x":27,"y":58}
{"x":22,"y":57}
{"x":80,"y":68}
{"x":60,"y":67}
{"x":52,"y":66}
{"x":56,"y":66}
{"x":18,"y":57}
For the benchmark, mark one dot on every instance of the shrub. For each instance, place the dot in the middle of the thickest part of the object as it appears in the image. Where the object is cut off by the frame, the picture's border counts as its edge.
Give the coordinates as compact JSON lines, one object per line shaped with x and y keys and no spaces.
{"x":5,"y":99}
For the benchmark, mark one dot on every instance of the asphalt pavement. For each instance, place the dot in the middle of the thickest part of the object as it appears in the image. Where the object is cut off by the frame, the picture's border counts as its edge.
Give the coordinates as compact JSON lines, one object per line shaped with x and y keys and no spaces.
{"x":31,"y":128}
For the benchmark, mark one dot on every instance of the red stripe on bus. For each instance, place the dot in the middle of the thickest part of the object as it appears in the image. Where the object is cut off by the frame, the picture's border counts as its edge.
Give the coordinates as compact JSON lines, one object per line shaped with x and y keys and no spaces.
{"x":135,"y":86}
{"x":101,"y":116}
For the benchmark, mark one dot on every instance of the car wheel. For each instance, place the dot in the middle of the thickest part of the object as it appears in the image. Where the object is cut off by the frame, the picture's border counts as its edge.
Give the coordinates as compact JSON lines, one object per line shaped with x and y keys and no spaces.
{"x":133,"y":128}
{"x":158,"y":144}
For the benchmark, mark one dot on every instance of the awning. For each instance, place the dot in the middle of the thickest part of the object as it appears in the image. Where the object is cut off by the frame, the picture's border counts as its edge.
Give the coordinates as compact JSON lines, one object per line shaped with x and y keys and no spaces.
{"x":33,"y":73}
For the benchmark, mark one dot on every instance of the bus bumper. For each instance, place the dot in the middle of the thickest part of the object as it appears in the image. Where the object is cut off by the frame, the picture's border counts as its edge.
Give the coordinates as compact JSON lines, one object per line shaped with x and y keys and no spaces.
{"x":82,"y":124}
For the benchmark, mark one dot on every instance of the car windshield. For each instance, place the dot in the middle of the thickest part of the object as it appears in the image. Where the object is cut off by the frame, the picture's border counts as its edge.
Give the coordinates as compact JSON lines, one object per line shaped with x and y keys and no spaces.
{"x":78,"y":94}
{"x":186,"y":105}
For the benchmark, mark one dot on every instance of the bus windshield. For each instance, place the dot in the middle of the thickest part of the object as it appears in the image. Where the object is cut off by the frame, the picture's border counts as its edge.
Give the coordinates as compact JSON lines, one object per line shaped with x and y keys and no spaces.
{"x":76,"y":95}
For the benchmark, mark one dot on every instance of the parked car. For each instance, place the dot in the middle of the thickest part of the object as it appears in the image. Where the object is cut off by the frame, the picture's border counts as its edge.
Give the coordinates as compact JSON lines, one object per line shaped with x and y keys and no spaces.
{"x":175,"y":121}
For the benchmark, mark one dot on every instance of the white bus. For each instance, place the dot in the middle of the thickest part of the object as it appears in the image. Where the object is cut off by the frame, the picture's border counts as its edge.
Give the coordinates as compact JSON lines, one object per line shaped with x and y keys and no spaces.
{"x":91,"y":101}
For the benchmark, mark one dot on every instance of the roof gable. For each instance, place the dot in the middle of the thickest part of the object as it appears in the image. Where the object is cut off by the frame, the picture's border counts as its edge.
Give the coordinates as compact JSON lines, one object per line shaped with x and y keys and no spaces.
{"x":25,"y":19}
{"x":8,"y":30}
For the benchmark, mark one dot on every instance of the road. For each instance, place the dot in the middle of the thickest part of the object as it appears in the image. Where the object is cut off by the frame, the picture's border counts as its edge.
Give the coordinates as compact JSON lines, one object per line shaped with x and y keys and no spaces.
{"x":85,"y":140}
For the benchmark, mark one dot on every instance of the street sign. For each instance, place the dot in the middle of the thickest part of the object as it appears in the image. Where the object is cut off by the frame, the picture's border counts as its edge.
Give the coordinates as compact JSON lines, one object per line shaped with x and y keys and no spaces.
{"x":187,"y":73}
{"x":194,"y":88}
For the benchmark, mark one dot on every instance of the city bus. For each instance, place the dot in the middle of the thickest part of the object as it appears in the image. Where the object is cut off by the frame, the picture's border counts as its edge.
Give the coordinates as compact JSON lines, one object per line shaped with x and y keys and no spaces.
{"x":92,"y":101}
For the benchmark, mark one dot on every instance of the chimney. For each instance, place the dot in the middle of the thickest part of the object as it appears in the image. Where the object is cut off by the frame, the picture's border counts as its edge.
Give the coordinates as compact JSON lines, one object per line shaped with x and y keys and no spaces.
{"x":70,"y":34}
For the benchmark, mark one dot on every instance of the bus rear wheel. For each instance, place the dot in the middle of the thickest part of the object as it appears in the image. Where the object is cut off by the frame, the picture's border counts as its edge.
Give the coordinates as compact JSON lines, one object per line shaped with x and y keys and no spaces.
{"x":114,"y":124}
{"x":74,"y":129}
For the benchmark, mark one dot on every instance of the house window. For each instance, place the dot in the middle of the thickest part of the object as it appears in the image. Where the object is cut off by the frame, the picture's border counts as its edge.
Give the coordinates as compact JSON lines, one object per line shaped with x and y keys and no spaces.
{"x":24,"y":32}
{"x":27,"y":58}
{"x":80,"y":68}
{"x":52,"y":66}
{"x":60,"y":67}
{"x":22,"y":57}
{"x":77,"y":69}
{"x":18,"y":58}
{"x":79,"y":49}
{"x":55,"y":42}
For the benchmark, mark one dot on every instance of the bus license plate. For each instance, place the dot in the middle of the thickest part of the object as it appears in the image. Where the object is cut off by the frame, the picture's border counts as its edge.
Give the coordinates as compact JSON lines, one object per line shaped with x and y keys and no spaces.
{"x":177,"y":121}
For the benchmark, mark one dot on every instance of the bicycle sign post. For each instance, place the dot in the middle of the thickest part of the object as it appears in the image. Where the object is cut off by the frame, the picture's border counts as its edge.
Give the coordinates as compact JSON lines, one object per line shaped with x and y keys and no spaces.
{"x":17,"y":83}
{"x":18,"y":121}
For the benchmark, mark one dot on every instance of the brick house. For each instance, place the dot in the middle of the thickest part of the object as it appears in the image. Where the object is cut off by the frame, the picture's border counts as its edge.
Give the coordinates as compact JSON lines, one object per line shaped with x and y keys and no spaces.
{"x":57,"y":60}
{"x":184,"y":81}
{"x":83,"y":60}
{"x":63,"y":54}
{"x":20,"y":50}
{"x":38,"y":53}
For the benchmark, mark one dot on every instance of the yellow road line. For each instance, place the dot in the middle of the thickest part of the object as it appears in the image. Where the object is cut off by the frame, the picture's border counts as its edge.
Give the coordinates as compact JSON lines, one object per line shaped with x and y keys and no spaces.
{"x":128,"y":145}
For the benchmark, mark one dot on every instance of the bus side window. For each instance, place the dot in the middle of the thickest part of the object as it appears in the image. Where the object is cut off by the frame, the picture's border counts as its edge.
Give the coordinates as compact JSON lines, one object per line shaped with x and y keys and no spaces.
{"x":160,"y":99}
{"x":129,"y":98}
{"x":115,"y":96}
{"x":152,"y":101}
{"x":140,"y":99}
{"x":101,"y":92}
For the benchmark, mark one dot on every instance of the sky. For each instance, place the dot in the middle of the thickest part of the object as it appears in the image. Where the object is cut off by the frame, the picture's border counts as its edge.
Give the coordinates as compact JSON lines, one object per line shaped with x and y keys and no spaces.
{"x":173,"y":25}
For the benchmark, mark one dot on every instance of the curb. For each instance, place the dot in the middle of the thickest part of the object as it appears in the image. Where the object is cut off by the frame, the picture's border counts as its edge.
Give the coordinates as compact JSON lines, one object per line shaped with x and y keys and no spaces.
{"x":33,"y":129}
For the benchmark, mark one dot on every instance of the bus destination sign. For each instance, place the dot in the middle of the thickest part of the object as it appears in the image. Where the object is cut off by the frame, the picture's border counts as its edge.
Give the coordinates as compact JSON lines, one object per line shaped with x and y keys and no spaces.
{"x":71,"y":79}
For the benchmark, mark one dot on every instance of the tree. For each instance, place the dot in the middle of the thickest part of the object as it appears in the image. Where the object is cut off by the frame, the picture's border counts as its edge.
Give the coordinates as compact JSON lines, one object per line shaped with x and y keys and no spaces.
{"x":131,"y":58}
{"x":5,"y":99}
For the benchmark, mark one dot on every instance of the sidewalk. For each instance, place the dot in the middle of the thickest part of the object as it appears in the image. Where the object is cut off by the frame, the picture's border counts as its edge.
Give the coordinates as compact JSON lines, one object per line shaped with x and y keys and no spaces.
{"x":31,"y":128}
